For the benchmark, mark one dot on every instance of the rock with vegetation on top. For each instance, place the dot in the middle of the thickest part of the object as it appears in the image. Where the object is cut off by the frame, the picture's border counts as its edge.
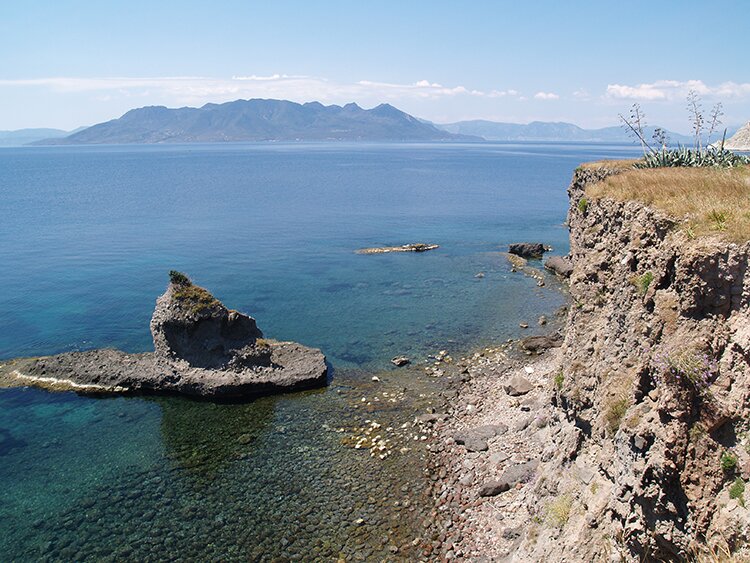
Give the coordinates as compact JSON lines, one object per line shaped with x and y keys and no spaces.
{"x":201,"y":348}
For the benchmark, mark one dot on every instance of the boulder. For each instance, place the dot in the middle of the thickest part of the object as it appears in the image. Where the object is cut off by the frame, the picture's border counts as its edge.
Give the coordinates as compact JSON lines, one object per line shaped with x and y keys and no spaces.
{"x":541,"y":343}
{"x":517,"y":385}
{"x":475,"y":439}
{"x":400,"y":361}
{"x":528,"y":249}
{"x":191,"y":324}
{"x":561,"y":265}
{"x":519,"y":473}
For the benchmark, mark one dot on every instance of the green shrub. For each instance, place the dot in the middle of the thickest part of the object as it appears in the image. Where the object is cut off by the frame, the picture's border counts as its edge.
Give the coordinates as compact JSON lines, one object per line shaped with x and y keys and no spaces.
{"x":559,"y":379}
{"x":178,"y":278}
{"x":737,"y":491}
{"x":728,"y":462}
{"x":642,"y":282}
{"x":583,"y":205}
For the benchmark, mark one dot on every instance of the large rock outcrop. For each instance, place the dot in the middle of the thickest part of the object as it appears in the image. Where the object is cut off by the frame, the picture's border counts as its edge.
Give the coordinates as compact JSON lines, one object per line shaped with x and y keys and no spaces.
{"x":654,"y":383}
{"x":201,"y":348}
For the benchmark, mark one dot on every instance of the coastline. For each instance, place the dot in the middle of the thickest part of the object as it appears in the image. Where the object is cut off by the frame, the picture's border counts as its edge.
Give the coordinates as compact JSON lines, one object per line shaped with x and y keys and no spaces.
{"x":470,"y":525}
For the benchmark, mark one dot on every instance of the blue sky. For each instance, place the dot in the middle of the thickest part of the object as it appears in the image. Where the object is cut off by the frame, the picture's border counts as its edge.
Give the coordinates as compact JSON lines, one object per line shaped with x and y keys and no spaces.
{"x":66,"y":63}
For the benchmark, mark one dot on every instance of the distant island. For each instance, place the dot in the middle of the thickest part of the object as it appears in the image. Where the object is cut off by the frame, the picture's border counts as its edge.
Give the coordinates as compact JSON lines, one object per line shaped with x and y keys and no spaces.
{"x":550,"y":131}
{"x":259,"y":120}
{"x":22,"y":137}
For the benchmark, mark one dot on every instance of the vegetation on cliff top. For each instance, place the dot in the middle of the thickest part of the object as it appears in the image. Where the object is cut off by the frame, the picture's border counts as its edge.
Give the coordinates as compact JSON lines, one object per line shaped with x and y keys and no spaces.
{"x":187,"y":293}
{"x":708,"y":200}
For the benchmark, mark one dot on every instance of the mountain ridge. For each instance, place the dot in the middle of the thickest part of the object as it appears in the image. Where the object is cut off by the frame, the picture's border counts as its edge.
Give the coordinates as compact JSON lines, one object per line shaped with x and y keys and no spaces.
{"x":259,"y":120}
{"x":547,"y":131}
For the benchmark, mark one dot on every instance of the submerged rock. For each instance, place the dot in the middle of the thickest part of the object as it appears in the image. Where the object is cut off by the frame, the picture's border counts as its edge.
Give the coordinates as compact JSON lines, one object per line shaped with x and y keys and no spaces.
{"x":201,"y":348}
{"x":400,"y":361}
{"x":413,"y":247}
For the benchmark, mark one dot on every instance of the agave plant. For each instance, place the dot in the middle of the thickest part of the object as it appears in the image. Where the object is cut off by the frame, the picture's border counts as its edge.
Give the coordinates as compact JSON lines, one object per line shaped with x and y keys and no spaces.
{"x":683,"y":156}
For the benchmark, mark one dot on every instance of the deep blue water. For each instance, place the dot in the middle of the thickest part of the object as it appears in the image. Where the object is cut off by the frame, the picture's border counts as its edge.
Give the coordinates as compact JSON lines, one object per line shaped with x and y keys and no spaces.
{"x":87,"y":237}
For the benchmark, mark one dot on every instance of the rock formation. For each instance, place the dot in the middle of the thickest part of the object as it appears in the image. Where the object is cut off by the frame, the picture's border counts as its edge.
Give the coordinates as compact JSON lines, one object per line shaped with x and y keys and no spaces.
{"x":630,"y":442}
{"x":655,"y":378}
{"x":412,"y":247}
{"x":201,"y":348}
{"x":740,"y":141}
{"x":527,"y":249}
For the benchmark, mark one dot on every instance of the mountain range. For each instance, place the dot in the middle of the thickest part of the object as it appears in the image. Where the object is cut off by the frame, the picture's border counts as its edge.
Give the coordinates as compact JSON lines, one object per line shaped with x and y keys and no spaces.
{"x":549,"y":131}
{"x":259,"y":120}
{"x":280,"y":120}
{"x":22,"y":137}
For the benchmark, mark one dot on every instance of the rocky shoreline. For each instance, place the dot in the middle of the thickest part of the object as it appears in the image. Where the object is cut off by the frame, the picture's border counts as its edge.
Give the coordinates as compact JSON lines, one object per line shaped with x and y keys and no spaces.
{"x":630,"y":441}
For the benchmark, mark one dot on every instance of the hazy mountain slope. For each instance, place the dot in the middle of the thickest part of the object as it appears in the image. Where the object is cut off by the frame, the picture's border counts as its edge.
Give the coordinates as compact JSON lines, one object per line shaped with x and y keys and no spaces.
{"x":259,"y":120}
{"x":546,"y":131}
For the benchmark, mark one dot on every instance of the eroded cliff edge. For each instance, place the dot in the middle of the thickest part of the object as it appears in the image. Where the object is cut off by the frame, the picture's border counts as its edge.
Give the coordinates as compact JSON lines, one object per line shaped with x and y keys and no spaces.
{"x":656,"y":373}
{"x":634,"y":436}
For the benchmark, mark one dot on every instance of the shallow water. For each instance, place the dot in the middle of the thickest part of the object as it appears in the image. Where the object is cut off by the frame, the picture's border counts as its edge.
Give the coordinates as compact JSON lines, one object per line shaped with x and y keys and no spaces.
{"x":87,"y":237}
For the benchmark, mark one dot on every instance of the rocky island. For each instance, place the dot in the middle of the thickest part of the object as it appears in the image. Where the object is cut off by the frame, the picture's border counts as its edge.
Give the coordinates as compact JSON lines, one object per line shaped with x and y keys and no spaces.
{"x":201,"y":349}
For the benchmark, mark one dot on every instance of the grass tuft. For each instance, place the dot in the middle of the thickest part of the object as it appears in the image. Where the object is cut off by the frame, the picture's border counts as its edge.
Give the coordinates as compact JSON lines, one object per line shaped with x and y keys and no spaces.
{"x":558,"y":511}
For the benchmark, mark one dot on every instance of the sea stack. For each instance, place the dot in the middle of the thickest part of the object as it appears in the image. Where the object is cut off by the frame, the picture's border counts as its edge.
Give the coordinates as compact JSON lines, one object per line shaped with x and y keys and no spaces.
{"x":201,"y":349}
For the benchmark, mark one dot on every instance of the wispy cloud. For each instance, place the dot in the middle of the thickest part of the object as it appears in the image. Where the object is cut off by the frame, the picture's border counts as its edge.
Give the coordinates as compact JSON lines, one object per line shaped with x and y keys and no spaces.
{"x":196,"y":89}
{"x":546,"y":96}
{"x":670,"y":90}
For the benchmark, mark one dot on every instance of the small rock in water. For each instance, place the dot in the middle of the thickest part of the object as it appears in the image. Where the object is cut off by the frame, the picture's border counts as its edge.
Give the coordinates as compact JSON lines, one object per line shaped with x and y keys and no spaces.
{"x":400,"y":361}
{"x":479,"y":275}
{"x":375,"y":378}
{"x":523,"y":325}
{"x":542,"y":320}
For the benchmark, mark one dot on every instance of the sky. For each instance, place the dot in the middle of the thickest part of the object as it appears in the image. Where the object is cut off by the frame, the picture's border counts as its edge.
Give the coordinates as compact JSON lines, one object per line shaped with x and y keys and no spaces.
{"x":70,"y":63}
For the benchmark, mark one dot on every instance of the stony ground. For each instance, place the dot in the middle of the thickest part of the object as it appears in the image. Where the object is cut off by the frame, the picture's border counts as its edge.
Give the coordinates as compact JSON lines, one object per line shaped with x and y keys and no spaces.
{"x":487,"y":444}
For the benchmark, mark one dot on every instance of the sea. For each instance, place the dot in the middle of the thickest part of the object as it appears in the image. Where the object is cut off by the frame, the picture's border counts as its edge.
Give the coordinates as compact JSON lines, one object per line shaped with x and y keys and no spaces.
{"x":87,"y":238}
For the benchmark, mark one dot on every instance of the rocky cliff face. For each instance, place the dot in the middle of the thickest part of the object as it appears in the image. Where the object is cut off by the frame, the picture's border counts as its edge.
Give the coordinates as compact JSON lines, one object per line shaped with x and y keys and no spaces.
{"x":190,"y":324}
{"x":655,"y":378}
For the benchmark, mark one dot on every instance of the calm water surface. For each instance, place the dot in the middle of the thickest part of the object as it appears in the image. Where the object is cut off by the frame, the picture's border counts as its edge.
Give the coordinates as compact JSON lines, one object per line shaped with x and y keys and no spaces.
{"x":87,"y":237}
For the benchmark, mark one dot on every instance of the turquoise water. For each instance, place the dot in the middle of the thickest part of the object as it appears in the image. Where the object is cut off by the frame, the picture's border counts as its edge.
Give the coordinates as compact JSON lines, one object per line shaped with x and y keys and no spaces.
{"x":87,"y":237}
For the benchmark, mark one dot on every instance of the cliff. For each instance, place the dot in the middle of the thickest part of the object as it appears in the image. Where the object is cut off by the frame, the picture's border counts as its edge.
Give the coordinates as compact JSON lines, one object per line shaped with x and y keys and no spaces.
{"x":631,"y":441}
{"x":740,"y":141}
{"x":655,"y":377}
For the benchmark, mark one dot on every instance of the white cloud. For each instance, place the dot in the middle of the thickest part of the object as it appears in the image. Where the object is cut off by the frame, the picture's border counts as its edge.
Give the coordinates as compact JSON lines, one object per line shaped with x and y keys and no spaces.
{"x":546,"y":96}
{"x":669,"y":90}
{"x":197,"y":89}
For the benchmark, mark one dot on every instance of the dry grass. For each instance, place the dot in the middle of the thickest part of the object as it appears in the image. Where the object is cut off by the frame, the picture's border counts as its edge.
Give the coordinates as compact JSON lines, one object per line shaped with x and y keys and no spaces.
{"x":609,"y":164}
{"x":710,"y":200}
